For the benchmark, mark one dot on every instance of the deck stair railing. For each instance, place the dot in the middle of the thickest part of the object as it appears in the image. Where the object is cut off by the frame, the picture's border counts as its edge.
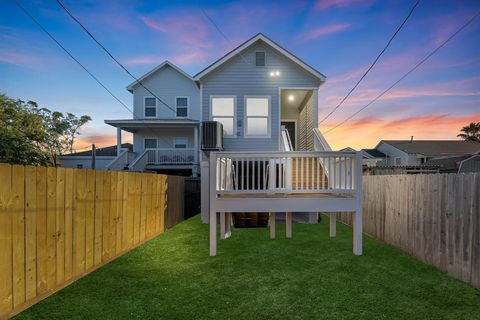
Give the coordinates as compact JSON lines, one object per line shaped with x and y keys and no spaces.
{"x":285,"y":172}
{"x":120,"y":162}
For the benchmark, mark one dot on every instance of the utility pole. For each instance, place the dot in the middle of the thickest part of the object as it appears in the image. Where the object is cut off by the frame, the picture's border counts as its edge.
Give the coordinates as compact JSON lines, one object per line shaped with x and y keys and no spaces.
{"x":94,"y":155}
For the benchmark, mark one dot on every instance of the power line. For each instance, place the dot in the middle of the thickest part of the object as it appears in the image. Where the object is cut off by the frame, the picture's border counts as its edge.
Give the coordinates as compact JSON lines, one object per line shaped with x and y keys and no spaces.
{"x":78,"y":62}
{"x":70,"y":55}
{"x":408,"y":73}
{"x":373,"y":63}
{"x":111,"y":56}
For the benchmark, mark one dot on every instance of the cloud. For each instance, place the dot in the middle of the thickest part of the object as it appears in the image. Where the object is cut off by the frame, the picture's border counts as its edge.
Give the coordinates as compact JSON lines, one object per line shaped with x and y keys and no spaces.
{"x":322,"y":5}
{"x":17,"y":58}
{"x":323,"y":31}
{"x":190,"y":58}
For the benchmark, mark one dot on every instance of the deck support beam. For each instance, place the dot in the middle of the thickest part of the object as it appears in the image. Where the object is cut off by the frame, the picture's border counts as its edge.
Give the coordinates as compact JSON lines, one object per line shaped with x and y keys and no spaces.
{"x":357,"y":218}
{"x":213,"y":233}
{"x":288,"y":224}
{"x":333,"y":224}
{"x":225,"y":223}
{"x":271,"y":223}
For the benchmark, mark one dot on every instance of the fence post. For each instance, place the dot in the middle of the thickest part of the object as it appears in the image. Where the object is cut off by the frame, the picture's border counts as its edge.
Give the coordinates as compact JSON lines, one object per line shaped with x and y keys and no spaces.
{"x":213,"y":211}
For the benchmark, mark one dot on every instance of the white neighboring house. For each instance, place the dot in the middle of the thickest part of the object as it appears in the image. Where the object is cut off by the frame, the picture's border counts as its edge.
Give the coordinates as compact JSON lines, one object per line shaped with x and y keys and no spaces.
{"x":418,"y":152}
{"x":261,"y":148}
{"x":83,"y":159}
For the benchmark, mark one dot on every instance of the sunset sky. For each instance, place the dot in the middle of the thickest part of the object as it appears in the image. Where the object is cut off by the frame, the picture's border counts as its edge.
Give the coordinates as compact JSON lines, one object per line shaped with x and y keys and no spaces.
{"x":340,"y":38}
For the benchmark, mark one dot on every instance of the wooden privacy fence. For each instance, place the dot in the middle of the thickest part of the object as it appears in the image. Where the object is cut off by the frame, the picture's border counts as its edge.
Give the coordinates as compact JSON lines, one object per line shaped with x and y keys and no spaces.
{"x":58,"y":224}
{"x":434,"y":217}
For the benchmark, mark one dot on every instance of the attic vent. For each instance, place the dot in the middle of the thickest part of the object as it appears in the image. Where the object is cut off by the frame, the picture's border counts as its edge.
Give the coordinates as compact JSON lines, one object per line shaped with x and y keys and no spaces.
{"x":260,"y":59}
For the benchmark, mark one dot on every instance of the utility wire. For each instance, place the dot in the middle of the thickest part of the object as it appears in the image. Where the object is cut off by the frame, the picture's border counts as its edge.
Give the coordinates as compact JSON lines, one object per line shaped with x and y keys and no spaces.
{"x":373,"y":63}
{"x":220,"y":31}
{"x":79,"y":63}
{"x":408,"y":73}
{"x":111,"y":56}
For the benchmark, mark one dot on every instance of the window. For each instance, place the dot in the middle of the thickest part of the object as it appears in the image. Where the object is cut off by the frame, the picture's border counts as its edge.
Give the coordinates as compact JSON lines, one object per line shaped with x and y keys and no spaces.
{"x":181,"y":104}
{"x":223,"y":111}
{"x":398,"y":161}
{"x":260,"y":59}
{"x":150,"y":143}
{"x":180,"y":143}
{"x":79,"y":166}
{"x":150,"y":104}
{"x":257,"y":113}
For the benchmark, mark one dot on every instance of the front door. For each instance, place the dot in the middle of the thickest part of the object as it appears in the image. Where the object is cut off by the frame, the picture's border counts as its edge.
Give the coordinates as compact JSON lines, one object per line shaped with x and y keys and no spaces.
{"x":290,"y":126}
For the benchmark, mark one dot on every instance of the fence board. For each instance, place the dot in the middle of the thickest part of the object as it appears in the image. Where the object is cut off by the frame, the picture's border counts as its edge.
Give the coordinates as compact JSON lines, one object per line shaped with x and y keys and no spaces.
{"x":434,"y":217}
{"x":58,"y":224}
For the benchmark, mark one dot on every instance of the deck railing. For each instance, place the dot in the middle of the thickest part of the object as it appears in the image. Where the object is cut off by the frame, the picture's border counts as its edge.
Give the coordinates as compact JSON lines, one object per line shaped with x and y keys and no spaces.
{"x":120,"y":162}
{"x":286,"y":172}
{"x":171,"y":156}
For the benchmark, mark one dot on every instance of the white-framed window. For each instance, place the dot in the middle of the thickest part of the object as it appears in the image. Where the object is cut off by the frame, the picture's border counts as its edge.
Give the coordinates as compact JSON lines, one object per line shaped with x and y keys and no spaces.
{"x":257,"y":116}
{"x":150,"y":143}
{"x":223,"y":110}
{"x":150,"y":107}
{"x":260,"y":58}
{"x":180,"y":142}
{"x":181,"y":106}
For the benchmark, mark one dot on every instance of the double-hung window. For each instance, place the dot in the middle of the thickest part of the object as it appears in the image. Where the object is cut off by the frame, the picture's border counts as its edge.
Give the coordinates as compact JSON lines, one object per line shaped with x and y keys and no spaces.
{"x":257,"y":117}
{"x":150,"y":104}
{"x":181,"y":104}
{"x":150,"y":143}
{"x":223,"y":111}
{"x":180,"y":143}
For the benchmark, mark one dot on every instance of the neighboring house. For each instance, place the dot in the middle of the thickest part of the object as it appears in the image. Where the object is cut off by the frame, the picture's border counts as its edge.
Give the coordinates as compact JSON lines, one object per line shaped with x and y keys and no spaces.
{"x":456,"y":164}
{"x":418,"y":152}
{"x":83,"y":159}
{"x":370,"y":157}
{"x":257,"y":107}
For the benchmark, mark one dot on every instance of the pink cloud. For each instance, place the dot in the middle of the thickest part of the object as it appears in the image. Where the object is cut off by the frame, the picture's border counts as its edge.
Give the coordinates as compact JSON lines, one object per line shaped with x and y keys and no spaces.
{"x":154,"y":25}
{"x":323,"y":31}
{"x":190,"y":58}
{"x":322,"y":5}
{"x":16,"y":58}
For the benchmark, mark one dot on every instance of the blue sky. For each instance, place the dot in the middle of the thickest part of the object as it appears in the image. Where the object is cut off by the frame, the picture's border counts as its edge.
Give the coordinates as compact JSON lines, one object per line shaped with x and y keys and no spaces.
{"x":338,"y":37}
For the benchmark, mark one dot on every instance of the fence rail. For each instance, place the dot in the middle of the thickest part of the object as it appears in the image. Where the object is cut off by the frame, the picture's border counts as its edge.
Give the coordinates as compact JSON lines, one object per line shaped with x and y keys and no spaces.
{"x":170,"y":156}
{"x":434,"y":217}
{"x":58,"y":224}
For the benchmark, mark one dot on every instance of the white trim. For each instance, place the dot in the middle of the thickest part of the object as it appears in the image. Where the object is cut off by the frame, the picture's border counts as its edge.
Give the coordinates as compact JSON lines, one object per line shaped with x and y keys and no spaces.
{"x":296,"y":129}
{"x":148,"y":74}
{"x":234,"y":113}
{"x":248,"y":44}
{"x":188,"y":107}
{"x":245,"y":117}
{"x":186,"y":142}
{"x":145,"y":107}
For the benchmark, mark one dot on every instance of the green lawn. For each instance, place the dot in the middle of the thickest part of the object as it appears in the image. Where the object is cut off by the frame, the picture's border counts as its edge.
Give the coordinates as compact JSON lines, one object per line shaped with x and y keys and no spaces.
{"x":308,"y":277}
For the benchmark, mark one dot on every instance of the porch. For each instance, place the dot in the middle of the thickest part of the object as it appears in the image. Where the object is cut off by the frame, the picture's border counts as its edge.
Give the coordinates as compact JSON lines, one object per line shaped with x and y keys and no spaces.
{"x":287,"y":182}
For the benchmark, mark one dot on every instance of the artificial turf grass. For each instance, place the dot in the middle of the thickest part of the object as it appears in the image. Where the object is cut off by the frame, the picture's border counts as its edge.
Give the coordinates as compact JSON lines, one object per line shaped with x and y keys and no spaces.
{"x":308,"y":277}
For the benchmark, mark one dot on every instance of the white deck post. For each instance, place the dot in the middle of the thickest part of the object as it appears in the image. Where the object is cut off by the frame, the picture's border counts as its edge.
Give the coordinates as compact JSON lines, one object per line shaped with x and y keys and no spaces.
{"x":223,"y":225}
{"x":119,"y":141}
{"x":271,"y":223}
{"x":333,"y":224}
{"x":212,"y":211}
{"x":228,"y":225}
{"x":195,"y":144}
{"x":288,"y":224}
{"x":357,"y":219}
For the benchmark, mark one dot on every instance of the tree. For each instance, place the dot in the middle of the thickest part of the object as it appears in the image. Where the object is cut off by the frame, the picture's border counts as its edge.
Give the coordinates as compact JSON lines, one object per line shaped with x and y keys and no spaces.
{"x":33,"y":135}
{"x":471,"y":132}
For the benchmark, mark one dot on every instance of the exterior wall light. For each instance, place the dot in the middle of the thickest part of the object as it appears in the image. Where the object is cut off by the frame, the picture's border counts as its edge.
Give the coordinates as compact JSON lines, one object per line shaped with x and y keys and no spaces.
{"x":274,"y":73}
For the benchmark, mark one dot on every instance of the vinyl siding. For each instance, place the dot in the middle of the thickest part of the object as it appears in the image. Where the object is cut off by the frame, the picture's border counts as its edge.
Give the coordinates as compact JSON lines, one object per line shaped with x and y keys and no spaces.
{"x":306,"y":120}
{"x":167,"y":83}
{"x":240,"y":77}
{"x":165,"y":137}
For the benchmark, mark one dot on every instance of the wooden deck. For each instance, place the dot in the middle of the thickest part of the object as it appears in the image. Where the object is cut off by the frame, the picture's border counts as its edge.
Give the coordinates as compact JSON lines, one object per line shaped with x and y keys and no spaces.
{"x":287,"y":195}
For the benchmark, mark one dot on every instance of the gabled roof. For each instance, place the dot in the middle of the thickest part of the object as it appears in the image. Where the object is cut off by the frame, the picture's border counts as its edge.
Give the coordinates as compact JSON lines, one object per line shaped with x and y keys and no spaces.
{"x":110,"y":151}
{"x":250,"y":42}
{"x":435,"y":147}
{"x":154,"y":70}
{"x":374,"y":153}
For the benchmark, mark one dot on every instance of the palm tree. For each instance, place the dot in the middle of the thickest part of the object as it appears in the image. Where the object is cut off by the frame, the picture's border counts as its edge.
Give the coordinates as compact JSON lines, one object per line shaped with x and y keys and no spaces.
{"x":470,"y":132}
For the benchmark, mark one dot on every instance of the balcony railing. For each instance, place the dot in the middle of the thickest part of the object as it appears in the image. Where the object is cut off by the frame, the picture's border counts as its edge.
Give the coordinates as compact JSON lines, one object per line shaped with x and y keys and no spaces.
{"x":170,"y":156}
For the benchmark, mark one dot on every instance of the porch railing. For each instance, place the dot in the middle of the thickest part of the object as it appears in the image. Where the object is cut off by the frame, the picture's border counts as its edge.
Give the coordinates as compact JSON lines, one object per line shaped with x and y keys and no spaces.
{"x":286,"y":172}
{"x":171,"y":156}
{"x":120,"y":162}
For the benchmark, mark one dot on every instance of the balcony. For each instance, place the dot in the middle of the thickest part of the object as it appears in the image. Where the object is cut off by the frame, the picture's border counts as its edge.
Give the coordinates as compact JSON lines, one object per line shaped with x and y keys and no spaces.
{"x":164,"y":157}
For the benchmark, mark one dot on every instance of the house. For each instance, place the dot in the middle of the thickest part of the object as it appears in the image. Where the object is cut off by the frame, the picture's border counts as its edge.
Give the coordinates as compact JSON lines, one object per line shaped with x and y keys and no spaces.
{"x":456,"y":164}
{"x":418,"y":152}
{"x":261,"y":150}
{"x":83,"y":160}
{"x":370,"y":157}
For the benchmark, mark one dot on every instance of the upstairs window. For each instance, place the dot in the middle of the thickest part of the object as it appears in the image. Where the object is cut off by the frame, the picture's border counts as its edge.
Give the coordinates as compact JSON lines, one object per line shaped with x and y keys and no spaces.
{"x":223,"y":111}
{"x":150,"y":143}
{"x":260,"y":59}
{"x":150,"y":104}
{"x":257,"y":117}
{"x":181,"y":104}
{"x":180,"y":143}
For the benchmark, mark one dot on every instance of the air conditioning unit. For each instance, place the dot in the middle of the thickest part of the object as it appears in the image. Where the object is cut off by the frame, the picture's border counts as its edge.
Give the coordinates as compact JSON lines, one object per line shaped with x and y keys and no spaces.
{"x":212,"y":136}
